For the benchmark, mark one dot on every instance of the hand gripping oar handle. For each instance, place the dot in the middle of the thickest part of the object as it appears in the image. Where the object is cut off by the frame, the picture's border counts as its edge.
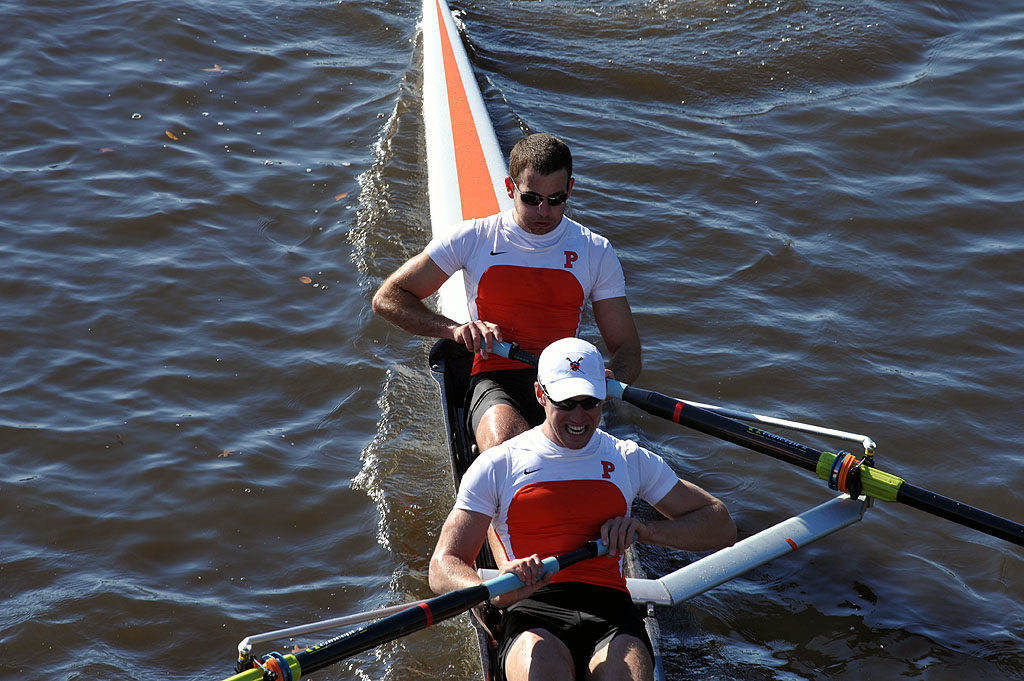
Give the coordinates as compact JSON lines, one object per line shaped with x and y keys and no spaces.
{"x":873,"y":482}
{"x":437,"y":609}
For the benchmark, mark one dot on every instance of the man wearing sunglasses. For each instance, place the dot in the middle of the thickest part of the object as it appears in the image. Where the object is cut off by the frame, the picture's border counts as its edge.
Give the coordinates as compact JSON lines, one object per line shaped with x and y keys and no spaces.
{"x":528,"y":272}
{"x":549,"y":490}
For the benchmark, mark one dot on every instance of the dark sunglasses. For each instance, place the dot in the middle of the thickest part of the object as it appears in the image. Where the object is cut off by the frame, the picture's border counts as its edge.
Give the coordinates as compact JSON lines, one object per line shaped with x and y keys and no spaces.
{"x":535,"y":199}
{"x":587,"y":403}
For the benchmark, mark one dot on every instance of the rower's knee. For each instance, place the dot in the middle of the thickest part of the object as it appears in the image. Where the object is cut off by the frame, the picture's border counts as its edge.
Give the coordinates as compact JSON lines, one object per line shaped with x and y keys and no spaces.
{"x":624,"y":657}
{"x":499,"y":423}
{"x":537,"y":654}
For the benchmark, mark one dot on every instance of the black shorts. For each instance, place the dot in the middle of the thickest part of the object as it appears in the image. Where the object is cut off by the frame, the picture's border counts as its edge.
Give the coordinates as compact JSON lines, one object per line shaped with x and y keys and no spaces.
{"x":513,"y":387}
{"x":584,"y":617}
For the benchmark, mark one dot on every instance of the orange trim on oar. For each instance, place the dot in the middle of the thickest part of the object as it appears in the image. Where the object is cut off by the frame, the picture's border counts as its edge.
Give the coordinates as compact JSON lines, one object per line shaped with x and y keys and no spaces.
{"x":844,"y":471}
{"x":429,"y":615}
{"x":470,"y":164}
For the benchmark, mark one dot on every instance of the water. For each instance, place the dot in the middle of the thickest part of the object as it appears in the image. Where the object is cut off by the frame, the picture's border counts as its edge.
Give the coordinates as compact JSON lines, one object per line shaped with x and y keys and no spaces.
{"x":205,"y":433}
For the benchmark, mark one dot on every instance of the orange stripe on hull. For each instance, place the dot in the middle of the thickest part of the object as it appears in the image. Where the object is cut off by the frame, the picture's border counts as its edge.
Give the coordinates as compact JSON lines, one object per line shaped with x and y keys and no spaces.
{"x":475,"y":190}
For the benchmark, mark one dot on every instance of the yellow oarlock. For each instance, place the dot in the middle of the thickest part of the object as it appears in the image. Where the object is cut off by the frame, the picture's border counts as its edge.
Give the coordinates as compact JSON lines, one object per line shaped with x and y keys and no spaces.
{"x":874,"y":483}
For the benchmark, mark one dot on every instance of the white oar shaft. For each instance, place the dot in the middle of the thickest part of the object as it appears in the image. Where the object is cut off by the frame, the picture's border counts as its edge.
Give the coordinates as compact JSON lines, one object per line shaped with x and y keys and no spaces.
{"x":332,"y":623}
{"x":867,"y":442}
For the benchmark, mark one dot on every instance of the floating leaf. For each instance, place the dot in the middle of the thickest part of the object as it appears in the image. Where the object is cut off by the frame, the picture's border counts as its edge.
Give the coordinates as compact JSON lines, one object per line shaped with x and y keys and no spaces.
{"x":216,"y":69}
{"x":225,"y":454}
{"x":305,"y":280}
{"x":105,"y":150}
{"x":339,"y":197}
{"x":171,"y":135}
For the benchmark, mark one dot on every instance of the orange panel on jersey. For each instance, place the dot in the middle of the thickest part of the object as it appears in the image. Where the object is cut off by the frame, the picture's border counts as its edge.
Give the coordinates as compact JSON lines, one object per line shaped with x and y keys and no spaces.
{"x":533,"y":306}
{"x":550,"y":518}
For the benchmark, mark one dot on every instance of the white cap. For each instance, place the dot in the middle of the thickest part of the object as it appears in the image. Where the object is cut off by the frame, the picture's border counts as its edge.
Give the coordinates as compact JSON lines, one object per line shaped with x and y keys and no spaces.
{"x":570,"y":367}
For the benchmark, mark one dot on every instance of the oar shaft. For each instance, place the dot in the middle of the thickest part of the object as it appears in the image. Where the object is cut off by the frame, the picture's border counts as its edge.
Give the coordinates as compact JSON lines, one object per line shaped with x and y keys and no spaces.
{"x":722,"y":427}
{"x":962,"y":513}
{"x":877,"y":484}
{"x":388,"y":629}
{"x":248,"y":642}
{"x":420,"y":616}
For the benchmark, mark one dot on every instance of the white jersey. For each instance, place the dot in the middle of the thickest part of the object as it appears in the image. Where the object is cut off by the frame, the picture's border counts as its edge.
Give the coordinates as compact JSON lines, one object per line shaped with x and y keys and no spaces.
{"x":547,"y":499}
{"x":532,"y":286}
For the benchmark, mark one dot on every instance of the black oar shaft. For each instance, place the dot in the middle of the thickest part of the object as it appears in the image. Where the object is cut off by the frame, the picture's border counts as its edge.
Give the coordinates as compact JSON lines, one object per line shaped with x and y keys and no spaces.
{"x":962,"y":513}
{"x":723,"y":427}
{"x":427,"y":613}
{"x":395,"y":626}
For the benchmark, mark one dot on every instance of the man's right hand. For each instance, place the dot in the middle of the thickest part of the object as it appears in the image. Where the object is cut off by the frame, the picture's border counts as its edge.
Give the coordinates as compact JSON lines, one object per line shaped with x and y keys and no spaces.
{"x":529,"y":570}
{"x":478,"y":336}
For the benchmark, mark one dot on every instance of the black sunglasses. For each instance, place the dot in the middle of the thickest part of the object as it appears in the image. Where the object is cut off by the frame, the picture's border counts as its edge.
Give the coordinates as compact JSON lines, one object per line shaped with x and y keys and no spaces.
{"x":587,"y":403}
{"x":535,"y":199}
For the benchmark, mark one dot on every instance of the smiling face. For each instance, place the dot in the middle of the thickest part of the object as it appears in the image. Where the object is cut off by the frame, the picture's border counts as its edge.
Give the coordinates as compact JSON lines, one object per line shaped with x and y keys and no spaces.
{"x":570,"y":429}
{"x":545,"y":217}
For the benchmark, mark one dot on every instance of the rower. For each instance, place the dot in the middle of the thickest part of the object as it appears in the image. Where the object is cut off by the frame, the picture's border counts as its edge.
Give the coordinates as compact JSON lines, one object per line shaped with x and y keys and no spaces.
{"x":528,"y":273}
{"x":554,"y":486}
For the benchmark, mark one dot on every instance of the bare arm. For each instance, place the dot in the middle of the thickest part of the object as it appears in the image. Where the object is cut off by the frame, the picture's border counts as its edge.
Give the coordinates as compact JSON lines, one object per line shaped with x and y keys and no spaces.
{"x":694,"y":521}
{"x":399,"y":300}
{"x":615,"y":322}
{"x":451,"y":566}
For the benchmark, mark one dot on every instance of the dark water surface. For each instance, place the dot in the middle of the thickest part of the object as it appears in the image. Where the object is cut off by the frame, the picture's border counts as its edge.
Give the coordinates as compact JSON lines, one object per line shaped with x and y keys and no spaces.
{"x":205,"y":434}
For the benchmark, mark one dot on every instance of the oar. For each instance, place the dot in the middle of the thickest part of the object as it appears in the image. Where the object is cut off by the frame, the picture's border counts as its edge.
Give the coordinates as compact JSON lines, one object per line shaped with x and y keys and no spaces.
{"x":245,"y":647}
{"x":293,"y":667}
{"x":843,"y":471}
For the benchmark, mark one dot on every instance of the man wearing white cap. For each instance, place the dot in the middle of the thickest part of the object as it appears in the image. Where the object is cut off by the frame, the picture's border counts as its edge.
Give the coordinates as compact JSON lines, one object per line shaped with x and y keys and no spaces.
{"x":548,"y":491}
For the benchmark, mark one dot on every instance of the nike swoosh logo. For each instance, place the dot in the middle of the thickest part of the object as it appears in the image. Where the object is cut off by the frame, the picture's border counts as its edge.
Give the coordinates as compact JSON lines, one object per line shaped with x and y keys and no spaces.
{"x":498,"y":252}
{"x":530,"y":470}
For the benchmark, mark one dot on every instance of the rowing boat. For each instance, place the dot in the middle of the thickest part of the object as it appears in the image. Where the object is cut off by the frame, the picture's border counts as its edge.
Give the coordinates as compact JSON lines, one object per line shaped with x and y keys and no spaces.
{"x":463,"y":153}
{"x":466,"y":173}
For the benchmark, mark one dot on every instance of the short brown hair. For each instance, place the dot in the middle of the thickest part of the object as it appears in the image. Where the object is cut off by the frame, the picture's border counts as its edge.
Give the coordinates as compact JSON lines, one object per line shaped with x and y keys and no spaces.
{"x":542,"y":152}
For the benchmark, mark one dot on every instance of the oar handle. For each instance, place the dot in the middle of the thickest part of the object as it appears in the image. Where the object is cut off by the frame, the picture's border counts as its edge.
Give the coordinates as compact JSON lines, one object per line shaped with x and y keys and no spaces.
{"x":513,"y":351}
{"x":503,"y":584}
